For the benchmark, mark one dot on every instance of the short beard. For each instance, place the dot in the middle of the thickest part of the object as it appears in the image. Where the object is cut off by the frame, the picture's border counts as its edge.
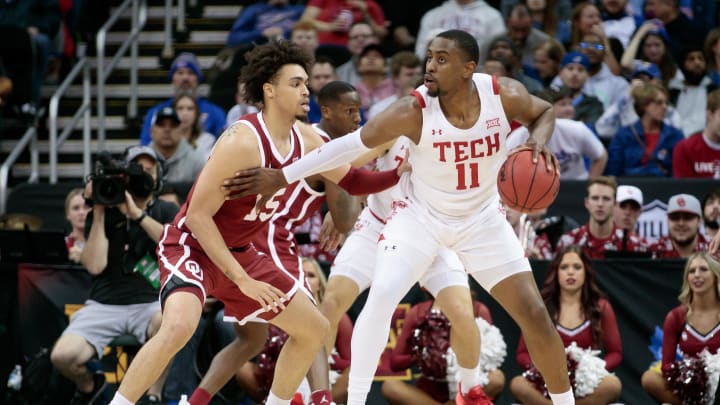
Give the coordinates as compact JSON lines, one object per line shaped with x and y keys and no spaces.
{"x":709,"y":223}
{"x":685,"y":242}
{"x":693,"y":78}
{"x":301,"y":117}
{"x":433,"y":93}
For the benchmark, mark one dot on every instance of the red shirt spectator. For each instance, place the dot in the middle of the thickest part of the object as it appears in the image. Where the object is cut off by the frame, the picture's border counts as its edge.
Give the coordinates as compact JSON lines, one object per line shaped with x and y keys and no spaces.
{"x":697,"y":156}
{"x":333,"y":18}
{"x":595,"y":247}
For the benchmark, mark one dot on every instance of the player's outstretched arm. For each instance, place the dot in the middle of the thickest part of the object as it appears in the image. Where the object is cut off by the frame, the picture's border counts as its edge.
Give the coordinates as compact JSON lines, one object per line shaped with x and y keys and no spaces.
{"x":207,"y":200}
{"x":533,"y":112}
{"x":331,"y":159}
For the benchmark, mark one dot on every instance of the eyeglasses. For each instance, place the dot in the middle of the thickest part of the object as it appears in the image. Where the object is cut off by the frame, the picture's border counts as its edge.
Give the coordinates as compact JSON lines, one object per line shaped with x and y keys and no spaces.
{"x":586,"y":45}
{"x":360,"y":36}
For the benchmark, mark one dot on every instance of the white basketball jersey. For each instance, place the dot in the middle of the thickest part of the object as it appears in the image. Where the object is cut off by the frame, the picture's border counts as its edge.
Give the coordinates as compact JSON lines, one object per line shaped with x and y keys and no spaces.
{"x":380,"y":203}
{"x":454,"y":171}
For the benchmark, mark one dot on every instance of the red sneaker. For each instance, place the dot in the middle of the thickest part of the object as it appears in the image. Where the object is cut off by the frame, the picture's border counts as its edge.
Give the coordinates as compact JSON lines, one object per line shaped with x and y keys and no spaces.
{"x":297,"y":399}
{"x":476,"y":396}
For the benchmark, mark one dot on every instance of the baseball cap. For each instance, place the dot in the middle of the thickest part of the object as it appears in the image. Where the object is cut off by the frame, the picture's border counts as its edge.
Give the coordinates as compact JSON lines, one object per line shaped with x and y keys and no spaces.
{"x":575,"y":57}
{"x":166,"y":113}
{"x":647,"y":68}
{"x":136,"y":151}
{"x":372,"y":47}
{"x":684,"y":203}
{"x":629,"y":193}
{"x":187,"y":60}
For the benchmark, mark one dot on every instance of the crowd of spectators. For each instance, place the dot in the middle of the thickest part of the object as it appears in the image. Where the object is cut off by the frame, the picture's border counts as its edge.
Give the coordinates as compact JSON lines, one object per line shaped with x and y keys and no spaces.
{"x":634,"y":90}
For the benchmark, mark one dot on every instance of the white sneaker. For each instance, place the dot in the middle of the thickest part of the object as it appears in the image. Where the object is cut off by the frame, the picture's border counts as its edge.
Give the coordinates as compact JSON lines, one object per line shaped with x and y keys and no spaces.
{"x":183,"y":400}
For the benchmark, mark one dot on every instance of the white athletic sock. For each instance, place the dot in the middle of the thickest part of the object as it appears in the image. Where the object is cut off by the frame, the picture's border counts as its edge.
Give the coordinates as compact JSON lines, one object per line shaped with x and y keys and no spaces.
{"x":118,"y":399}
{"x":272,"y":399}
{"x":469,"y":377}
{"x":565,"y":398}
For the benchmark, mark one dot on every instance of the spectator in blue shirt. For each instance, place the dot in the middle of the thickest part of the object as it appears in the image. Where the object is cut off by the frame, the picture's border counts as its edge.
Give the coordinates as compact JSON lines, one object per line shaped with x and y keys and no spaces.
{"x":186,"y":75}
{"x":264,"y":21}
{"x":645,"y":148}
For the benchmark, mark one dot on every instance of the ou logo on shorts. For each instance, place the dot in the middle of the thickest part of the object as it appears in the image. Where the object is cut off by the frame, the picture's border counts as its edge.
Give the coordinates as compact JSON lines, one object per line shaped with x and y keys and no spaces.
{"x":194,"y":268}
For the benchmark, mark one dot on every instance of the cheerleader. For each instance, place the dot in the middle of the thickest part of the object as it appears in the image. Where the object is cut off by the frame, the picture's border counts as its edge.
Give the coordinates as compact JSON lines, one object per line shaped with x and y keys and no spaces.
{"x":692,"y":327}
{"x":425,"y":341}
{"x":586,"y":323}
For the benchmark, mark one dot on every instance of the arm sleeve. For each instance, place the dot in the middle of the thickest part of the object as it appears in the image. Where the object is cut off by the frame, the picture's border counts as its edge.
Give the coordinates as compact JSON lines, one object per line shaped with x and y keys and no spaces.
{"x":523,"y":356}
{"x":243,"y":30}
{"x":326,"y":157}
{"x":615,"y":155}
{"x":342,"y":344}
{"x":609,"y":122}
{"x":362,"y":181}
{"x":590,"y":145}
{"x":611,"y":337}
{"x":401,"y":357}
{"x":671,"y":331}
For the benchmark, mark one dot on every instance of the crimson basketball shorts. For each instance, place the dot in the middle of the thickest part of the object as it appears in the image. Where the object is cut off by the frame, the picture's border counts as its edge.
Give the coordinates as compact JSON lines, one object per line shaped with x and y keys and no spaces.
{"x":185,"y":267}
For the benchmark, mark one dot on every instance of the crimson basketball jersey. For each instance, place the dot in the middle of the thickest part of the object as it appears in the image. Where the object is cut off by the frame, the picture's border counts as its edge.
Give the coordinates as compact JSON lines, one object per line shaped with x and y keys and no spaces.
{"x":300,"y":202}
{"x":238,"y":220}
{"x":454,"y":170}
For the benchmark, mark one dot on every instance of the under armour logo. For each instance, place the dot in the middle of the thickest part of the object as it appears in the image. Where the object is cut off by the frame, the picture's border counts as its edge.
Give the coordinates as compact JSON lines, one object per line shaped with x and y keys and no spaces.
{"x":437,"y":131}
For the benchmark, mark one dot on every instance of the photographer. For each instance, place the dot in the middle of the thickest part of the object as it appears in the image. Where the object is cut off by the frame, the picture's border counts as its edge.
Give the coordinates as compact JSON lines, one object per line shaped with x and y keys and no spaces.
{"x":123,"y":229}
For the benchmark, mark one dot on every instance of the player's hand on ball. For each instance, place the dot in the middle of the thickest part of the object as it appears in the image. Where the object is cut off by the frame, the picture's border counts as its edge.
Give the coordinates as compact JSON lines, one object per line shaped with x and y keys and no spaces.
{"x":537,"y":148}
{"x":269,"y":297}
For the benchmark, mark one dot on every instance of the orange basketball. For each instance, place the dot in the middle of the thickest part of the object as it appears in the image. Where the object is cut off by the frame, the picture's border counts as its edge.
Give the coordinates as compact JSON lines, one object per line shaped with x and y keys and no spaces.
{"x":525,"y":186}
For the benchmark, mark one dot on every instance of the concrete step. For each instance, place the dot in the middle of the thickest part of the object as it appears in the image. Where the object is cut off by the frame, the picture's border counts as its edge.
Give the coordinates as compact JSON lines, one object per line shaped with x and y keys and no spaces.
{"x":114,"y":146}
{"x":122,"y":91}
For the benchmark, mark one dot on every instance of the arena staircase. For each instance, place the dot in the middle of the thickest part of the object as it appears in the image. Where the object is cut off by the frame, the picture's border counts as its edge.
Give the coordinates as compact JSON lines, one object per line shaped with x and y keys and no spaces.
{"x":207,"y":26}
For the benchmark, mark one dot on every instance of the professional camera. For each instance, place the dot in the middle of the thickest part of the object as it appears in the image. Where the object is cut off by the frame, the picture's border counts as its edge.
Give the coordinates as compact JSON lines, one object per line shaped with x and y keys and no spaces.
{"x":111,"y":178}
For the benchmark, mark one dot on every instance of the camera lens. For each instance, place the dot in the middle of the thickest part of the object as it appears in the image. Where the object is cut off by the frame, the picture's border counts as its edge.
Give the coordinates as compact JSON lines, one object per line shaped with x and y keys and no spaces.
{"x":109,"y":190}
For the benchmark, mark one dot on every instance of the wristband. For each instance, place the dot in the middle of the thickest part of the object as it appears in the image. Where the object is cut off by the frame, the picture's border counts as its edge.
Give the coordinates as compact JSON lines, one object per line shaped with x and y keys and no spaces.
{"x":142,"y":216}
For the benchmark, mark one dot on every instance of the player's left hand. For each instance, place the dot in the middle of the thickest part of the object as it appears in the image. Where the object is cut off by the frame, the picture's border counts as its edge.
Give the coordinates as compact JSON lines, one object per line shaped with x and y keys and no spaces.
{"x":551,"y":162}
{"x":260,"y":180}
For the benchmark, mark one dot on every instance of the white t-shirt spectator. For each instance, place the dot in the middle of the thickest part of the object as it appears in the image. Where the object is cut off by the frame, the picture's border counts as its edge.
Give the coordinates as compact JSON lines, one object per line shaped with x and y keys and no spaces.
{"x":570,"y":142}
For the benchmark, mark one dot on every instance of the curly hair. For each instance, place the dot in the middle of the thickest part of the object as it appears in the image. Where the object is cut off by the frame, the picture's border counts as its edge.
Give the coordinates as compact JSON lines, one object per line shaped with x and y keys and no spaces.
{"x":590,"y":296}
{"x":264,"y":62}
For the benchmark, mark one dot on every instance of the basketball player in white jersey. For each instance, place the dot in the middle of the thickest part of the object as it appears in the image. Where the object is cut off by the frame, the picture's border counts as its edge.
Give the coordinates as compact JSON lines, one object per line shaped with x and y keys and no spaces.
{"x":458,"y":122}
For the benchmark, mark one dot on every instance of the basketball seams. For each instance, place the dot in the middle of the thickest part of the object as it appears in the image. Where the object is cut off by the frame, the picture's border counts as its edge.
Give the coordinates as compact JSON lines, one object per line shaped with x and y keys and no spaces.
{"x":534,"y":196}
{"x":532,"y":184}
{"x":515,"y":200}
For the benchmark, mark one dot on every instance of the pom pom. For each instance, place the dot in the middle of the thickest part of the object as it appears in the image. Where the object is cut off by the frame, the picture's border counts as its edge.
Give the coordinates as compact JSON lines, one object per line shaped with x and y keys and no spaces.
{"x":429,"y":343}
{"x":268,"y":357}
{"x":712,"y":368}
{"x":585,"y":369}
{"x":590,"y":369}
{"x":493,"y":350}
{"x":687,"y":379}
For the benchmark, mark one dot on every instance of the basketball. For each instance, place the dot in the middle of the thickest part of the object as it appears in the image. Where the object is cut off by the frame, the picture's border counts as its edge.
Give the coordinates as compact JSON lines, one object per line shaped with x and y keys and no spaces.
{"x":525,"y":186}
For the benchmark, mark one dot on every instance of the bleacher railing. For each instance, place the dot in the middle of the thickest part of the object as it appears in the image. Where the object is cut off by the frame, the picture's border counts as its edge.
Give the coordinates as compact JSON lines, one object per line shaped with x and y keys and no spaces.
{"x":168,"y":52}
{"x":138,"y":19}
{"x":29,"y":137}
{"x":55,"y":141}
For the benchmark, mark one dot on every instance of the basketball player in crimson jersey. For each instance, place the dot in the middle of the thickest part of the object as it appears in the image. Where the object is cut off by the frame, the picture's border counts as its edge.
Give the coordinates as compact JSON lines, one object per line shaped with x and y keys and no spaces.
{"x":340,"y":106}
{"x":208,"y":250}
{"x":458,"y":122}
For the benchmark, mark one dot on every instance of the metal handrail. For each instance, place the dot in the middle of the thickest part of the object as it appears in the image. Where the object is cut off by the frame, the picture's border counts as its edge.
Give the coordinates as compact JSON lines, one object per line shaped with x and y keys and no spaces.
{"x":55,"y":141}
{"x":168,"y":52}
{"x":138,"y":20}
{"x":30,"y":137}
